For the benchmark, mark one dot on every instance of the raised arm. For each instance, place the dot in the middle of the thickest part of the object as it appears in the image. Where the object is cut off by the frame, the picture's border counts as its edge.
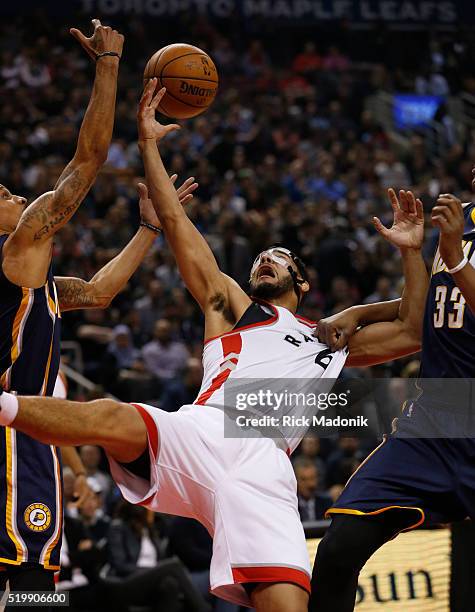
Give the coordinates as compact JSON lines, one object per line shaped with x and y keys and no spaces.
{"x":447,"y":215}
{"x":393,"y":329}
{"x":221,"y":303}
{"x":380,"y":342}
{"x":27,"y":251}
{"x":75,"y":293}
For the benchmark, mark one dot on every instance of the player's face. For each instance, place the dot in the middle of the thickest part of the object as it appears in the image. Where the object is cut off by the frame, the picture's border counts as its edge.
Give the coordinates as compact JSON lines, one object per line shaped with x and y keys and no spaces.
{"x":270,"y":276}
{"x":11,"y":209}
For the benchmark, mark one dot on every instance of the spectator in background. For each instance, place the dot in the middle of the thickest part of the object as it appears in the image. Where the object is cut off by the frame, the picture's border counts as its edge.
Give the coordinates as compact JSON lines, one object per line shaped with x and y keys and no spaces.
{"x":385,"y":290}
{"x":334,"y":60}
{"x":190,"y":541}
{"x":183,"y":389}
{"x":232,"y":251}
{"x":310,"y":449}
{"x":121,"y":348}
{"x":308,"y":60}
{"x":136,"y":555}
{"x":150,"y":306}
{"x":93,"y":516}
{"x":312,"y":505}
{"x":343,"y":461}
{"x":91,"y":457}
{"x":164,"y":357}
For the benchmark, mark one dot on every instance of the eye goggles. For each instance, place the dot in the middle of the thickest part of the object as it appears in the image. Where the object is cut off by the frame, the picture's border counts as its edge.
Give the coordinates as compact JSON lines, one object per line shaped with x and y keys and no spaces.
{"x":276,"y":255}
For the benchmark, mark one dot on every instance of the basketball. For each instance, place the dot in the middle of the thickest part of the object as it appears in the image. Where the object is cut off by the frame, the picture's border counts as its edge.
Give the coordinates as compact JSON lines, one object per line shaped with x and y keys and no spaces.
{"x":190,"y":76}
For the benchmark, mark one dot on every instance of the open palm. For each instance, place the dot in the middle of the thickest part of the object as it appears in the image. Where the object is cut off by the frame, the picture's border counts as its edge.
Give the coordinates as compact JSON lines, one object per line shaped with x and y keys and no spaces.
{"x":407,"y":230}
{"x":149,"y":128}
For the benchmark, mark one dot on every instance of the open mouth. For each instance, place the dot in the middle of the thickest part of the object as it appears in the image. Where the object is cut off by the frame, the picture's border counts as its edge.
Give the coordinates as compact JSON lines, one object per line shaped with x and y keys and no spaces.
{"x":266,"y":270}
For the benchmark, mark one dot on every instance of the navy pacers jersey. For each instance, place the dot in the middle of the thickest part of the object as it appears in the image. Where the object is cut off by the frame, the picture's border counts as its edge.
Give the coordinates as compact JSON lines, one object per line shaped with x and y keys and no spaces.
{"x":449,"y":325}
{"x":30,"y":472}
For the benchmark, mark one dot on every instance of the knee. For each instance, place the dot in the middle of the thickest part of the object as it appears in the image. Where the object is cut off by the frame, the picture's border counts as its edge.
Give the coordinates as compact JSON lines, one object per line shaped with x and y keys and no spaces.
{"x":120,"y":429}
{"x":337,"y":555}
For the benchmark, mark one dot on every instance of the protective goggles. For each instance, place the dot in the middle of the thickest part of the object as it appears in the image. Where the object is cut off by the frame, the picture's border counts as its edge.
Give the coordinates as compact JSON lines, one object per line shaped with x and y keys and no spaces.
{"x":276,"y":255}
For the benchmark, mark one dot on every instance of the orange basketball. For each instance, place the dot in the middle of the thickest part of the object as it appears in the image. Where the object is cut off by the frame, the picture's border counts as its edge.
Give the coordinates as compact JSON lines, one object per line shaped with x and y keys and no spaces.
{"x":190,"y":76}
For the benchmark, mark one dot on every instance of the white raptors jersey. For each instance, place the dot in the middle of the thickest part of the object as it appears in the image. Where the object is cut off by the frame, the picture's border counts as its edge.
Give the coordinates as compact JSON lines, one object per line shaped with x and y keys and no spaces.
{"x":269,"y":344}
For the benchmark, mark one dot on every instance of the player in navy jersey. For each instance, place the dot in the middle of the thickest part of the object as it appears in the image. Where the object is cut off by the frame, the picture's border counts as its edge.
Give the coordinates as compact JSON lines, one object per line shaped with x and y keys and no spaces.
{"x":424,"y":473}
{"x":30,"y":306}
{"x":31,"y":302}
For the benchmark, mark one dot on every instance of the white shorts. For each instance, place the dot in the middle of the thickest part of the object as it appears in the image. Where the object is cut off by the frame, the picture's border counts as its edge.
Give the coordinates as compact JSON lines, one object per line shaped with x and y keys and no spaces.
{"x":242,"y":490}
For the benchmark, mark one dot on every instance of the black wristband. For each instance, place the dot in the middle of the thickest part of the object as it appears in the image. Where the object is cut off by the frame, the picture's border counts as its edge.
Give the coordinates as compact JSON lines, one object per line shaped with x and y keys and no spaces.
{"x":107,"y":54}
{"x":149,"y":226}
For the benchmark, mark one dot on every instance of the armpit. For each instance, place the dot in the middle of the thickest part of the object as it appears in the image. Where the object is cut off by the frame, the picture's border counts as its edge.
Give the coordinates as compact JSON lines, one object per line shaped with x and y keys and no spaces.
{"x":220,"y":303}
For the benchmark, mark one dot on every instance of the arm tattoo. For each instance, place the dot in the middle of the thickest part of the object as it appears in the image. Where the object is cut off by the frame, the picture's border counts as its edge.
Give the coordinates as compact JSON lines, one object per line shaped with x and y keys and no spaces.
{"x":75,"y":293}
{"x":53,"y":211}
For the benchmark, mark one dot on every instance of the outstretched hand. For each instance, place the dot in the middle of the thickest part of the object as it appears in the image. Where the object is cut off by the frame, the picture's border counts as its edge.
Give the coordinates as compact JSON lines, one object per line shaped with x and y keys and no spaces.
{"x":147,"y":211}
{"x":447,"y":215}
{"x":407,"y":230}
{"x":149,"y":128}
{"x":103,"y":39}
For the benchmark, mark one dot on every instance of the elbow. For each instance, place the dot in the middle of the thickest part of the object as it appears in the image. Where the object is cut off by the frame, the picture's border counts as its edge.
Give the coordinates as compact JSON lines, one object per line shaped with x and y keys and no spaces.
{"x":98,"y":155}
{"x":413,"y":335}
{"x":98,"y":297}
{"x":95,"y":155}
{"x":103,"y":301}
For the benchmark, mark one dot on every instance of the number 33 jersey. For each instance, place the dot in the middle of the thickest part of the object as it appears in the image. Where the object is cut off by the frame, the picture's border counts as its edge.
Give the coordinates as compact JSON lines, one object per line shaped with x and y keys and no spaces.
{"x":277,"y":350}
{"x":448,"y":346}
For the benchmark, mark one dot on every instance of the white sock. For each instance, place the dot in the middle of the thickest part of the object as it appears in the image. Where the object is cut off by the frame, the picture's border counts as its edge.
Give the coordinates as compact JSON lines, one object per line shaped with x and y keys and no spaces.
{"x":8,"y":408}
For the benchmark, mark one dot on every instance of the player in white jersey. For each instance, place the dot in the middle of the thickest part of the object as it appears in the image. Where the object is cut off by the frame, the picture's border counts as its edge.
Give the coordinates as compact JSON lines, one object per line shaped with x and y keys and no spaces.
{"x":242,"y":489}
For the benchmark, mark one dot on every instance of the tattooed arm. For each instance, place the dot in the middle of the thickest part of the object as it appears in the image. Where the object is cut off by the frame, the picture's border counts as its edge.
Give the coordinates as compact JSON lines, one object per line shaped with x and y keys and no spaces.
{"x":27,"y":252}
{"x":75,"y":293}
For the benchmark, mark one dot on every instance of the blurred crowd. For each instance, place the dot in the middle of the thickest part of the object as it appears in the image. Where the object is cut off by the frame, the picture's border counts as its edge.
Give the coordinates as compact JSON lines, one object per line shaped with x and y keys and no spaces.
{"x":291,"y":152}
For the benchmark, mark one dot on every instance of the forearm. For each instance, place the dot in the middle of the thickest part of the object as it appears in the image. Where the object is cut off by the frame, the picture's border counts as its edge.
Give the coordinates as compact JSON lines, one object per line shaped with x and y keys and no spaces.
{"x":72,"y":459}
{"x":162,"y":192}
{"x":391,"y":339}
{"x":113,"y":277}
{"x":375,"y":313}
{"x":411,"y":308}
{"x":96,"y":129}
{"x":465,"y":280}
{"x":76,"y":293}
{"x":195,"y":260}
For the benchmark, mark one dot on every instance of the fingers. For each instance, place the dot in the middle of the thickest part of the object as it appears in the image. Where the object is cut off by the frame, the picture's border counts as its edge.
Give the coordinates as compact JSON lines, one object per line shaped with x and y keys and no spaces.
{"x":173,"y":127}
{"x":403,"y":200}
{"x":96,"y":23}
{"x":142,"y":191}
{"x":341,"y":342}
{"x":380,"y":227}
{"x":173,"y":179}
{"x":419,"y":209}
{"x":148,"y":92}
{"x":411,"y":202}
{"x":184,"y":200}
{"x":393,"y":199}
{"x":452,"y":203}
{"x":78,"y":35}
{"x":187,"y":185}
{"x":158,"y":97}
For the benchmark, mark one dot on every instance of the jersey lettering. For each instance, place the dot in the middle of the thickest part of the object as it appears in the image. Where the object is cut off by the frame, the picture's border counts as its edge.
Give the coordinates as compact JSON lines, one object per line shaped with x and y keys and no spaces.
{"x":324,"y":358}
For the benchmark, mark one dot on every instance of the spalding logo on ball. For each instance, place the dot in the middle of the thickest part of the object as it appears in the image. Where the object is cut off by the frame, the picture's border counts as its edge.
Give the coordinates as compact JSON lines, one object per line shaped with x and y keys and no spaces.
{"x":190,"y":76}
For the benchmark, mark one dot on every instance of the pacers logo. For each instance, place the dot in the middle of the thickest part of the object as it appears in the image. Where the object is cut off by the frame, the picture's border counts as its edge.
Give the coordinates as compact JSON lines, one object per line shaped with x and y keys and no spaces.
{"x":37,"y":517}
